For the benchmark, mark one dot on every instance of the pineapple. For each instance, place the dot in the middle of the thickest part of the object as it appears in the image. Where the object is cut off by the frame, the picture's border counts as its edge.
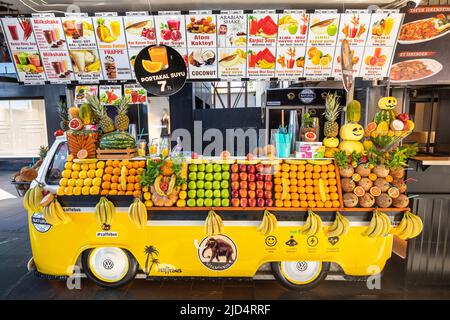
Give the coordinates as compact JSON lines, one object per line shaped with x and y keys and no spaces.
{"x":121,"y":120}
{"x":332,"y":110}
{"x":103,"y":120}
{"x":63,"y":115}
{"x":43,"y":152}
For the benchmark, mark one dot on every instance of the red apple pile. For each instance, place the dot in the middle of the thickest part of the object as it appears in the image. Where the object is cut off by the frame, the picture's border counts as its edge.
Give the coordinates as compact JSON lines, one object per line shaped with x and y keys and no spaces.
{"x":251,"y":185}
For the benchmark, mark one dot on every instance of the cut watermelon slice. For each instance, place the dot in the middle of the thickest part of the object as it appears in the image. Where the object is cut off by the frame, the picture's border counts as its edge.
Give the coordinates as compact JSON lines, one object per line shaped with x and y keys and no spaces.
{"x":268,"y":56}
{"x":270,"y":27}
{"x":75,"y":124}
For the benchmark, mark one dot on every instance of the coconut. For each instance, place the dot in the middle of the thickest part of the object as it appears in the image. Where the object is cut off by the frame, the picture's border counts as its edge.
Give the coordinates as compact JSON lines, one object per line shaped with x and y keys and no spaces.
{"x":382,"y":184}
{"x":347,"y":171}
{"x":367,"y":201}
{"x":209,"y":57}
{"x":348,"y":185}
{"x":28,"y":174}
{"x":400,"y":185}
{"x":363,"y":170}
{"x":381,"y":171}
{"x":402,"y":201}
{"x":384,"y":201}
{"x":350,"y":200}
{"x":397,"y":173}
{"x":365,"y":183}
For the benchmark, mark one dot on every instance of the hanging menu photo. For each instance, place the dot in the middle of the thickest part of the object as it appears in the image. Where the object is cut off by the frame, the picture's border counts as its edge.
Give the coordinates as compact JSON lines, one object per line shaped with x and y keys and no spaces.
{"x":115,"y":64}
{"x":319,"y":62}
{"x":58,"y":66}
{"x":80,"y":32}
{"x":49,"y":33}
{"x":357,"y":55}
{"x":261,"y":62}
{"x":354,"y":27}
{"x":170,"y":29}
{"x":384,"y":27}
{"x":110,"y":95}
{"x":81,"y":93}
{"x":290,"y":62}
{"x":292,"y":28}
{"x":135,"y":92}
{"x":140,"y":30}
{"x":262,"y":28}
{"x":19,"y":33}
{"x":86,"y":65}
{"x":29,"y":66}
{"x":376,"y":62}
{"x":201,"y":35}
{"x":323,"y":29}
{"x":232,"y":44}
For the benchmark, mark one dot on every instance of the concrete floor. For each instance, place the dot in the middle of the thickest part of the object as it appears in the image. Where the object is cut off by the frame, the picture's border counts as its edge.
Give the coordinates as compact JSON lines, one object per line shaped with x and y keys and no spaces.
{"x":17,"y":283}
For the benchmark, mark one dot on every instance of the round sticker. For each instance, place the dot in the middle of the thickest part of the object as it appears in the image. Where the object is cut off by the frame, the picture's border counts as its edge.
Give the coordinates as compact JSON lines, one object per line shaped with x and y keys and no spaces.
{"x":217,"y":252}
{"x":160,"y":69}
{"x":39,"y":223}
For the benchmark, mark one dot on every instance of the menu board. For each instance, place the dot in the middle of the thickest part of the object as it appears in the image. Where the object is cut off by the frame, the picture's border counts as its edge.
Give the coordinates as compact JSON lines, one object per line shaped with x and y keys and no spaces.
{"x":422,"y":56}
{"x":228,"y":45}
{"x":82,"y":91}
{"x":49,"y":33}
{"x":232,"y":44}
{"x":110,"y":95}
{"x":292,"y":28}
{"x":135,"y":92}
{"x":354,"y":27}
{"x":80,"y":32}
{"x":384,"y":27}
{"x":112,"y":46}
{"x":201,"y":37}
{"x":24,"y":51}
{"x":140,"y":30}
{"x":323,"y":29}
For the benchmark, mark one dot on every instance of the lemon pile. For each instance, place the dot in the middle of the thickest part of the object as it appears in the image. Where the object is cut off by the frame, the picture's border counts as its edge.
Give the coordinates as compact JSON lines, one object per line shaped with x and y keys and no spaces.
{"x":81,"y":178}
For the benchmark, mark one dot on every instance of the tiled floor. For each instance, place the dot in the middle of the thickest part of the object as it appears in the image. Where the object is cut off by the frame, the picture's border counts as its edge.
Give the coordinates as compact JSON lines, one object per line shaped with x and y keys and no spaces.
{"x":17,"y":283}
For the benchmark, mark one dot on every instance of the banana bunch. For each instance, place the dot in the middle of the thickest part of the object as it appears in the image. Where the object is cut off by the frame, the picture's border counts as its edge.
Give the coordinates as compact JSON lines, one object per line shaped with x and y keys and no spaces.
{"x":33,"y":198}
{"x":379,"y":226}
{"x":95,"y":66}
{"x":138,"y":213}
{"x":54,"y":214}
{"x":268,"y":223}
{"x":410,"y":226}
{"x":263,"y":64}
{"x":213,"y":224}
{"x":123,"y":178}
{"x":339,"y":227}
{"x":104,"y":211}
{"x":313,"y":224}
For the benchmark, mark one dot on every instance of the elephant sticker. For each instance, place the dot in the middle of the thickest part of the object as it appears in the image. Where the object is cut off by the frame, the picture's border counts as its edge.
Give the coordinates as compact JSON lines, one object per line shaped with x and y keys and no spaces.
{"x":217,"y":252}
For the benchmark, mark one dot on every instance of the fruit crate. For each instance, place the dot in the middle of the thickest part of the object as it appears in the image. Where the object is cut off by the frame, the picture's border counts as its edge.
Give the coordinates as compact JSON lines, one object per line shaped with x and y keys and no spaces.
{"x":116,"y":154}
{"x":83,"y":140}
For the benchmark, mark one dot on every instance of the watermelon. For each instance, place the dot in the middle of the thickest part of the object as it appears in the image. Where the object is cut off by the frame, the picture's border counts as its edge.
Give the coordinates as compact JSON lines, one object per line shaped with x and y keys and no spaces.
{"x":384,"y":115}
{"x":117,"y":140}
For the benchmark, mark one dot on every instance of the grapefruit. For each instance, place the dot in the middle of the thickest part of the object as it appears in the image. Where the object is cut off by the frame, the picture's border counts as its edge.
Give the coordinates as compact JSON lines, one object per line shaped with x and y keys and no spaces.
{"x":75,"y":124}
{"x":375,"y":191}
{"x":359,"y":191}
{"x":82,"y":154}
{"x":310,"y":136}
{"x":372,"y":126}
{"x":393,"y":192}
{"x":152,"y":67}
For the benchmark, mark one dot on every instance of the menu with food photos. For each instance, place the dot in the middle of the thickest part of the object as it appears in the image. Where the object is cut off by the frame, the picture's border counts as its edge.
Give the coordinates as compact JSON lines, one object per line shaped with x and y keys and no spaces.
{"x":170,"y":29}
{"x":79,"y":31}
{"x":82,"y":91}
{"x":354,"y":27}
{"x":139,"y":30}
{"x":262,"y":29}
{"x":422,"y":53}
{"x":292,"y":28}
{"x":49,"y":33}
{"x":323,"y":29}
{"x":58,"y":66}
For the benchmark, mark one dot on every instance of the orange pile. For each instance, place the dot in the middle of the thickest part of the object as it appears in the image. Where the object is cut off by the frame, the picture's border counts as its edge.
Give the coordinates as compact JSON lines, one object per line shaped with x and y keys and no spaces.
{"x":302,"y":186}
{"x":111,"y":177}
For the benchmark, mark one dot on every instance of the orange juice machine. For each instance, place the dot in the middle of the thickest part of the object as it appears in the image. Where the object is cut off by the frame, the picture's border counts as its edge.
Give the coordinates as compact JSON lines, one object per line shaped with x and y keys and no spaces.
{"x":288,"y":105}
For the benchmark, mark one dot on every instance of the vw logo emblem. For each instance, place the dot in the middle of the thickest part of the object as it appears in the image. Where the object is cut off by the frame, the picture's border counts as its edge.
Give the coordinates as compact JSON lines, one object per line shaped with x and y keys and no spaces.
{"x":301,"y":266}
{"x":108,"y":264}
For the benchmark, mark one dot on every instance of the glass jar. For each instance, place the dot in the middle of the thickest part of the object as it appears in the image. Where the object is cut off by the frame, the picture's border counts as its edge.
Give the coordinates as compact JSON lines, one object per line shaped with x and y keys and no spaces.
{"x":310,"y":129}
{"x":141,"y":147}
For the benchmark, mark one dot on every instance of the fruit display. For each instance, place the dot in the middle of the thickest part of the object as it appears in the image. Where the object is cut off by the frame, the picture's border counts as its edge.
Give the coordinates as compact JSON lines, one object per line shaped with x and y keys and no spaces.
{"x":122,"y":177}
{"x":104,"y":211}
{"x":380,"y":225}
{"x":251,"y":184}
{"x":84,"y":141}
{"x":268,"y":223}
{"x":117,"y":140}
{"x":313,"y":224}
{"x":164,"y":182}
{"x":104,"y":121}
{"x":374,"y":179}
{"x":33,"y":197}
{"x":410,"y":226}
{"x":81,"y":178}
{"x":302,"y":184}
{"x":331,"y":127}
{"x":351,"y":134}
{"x":213,"y":224}
{"x":208,"y":185}
{"x":54,"y":213}
{"x":339,"y":227}
{"x":388,"y":127}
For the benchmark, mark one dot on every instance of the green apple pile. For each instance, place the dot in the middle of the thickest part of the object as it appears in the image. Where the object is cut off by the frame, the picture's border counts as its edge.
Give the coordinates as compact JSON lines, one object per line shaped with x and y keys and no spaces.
{"x":208,"y":185}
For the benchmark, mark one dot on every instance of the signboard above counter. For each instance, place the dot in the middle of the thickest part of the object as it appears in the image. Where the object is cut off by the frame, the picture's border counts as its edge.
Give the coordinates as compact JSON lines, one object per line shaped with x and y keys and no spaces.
{"x":215,"y":45}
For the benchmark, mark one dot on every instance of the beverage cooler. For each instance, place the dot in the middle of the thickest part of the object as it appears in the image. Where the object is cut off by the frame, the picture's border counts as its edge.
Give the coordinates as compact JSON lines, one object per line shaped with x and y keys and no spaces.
{"x":302,"y":100}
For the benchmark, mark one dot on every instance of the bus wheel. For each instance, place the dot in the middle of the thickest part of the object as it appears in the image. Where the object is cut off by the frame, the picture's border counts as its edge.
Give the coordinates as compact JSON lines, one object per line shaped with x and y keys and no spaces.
{"x":109,"y":267}
{"x":300,"y":275}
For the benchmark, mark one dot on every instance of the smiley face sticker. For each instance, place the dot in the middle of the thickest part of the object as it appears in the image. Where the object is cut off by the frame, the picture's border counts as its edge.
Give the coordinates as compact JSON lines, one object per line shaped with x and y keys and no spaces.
{"x":271,"y":241}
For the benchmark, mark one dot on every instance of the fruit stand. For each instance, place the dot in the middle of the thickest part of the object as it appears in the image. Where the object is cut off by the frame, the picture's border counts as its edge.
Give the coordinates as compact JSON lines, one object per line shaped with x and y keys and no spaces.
{"x":171,"y":215}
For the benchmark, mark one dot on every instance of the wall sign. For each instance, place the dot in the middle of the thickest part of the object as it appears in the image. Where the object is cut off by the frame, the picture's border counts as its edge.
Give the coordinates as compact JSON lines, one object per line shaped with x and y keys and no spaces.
{"x":161,"y":70}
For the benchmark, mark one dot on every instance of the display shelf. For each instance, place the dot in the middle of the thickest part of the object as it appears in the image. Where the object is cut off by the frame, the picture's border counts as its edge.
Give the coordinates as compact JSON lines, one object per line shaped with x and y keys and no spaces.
{"x":275,"y":209}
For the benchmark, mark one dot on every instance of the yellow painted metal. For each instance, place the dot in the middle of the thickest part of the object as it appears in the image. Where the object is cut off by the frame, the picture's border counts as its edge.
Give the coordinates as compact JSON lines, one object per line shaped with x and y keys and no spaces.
{"x":56,"y":251}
